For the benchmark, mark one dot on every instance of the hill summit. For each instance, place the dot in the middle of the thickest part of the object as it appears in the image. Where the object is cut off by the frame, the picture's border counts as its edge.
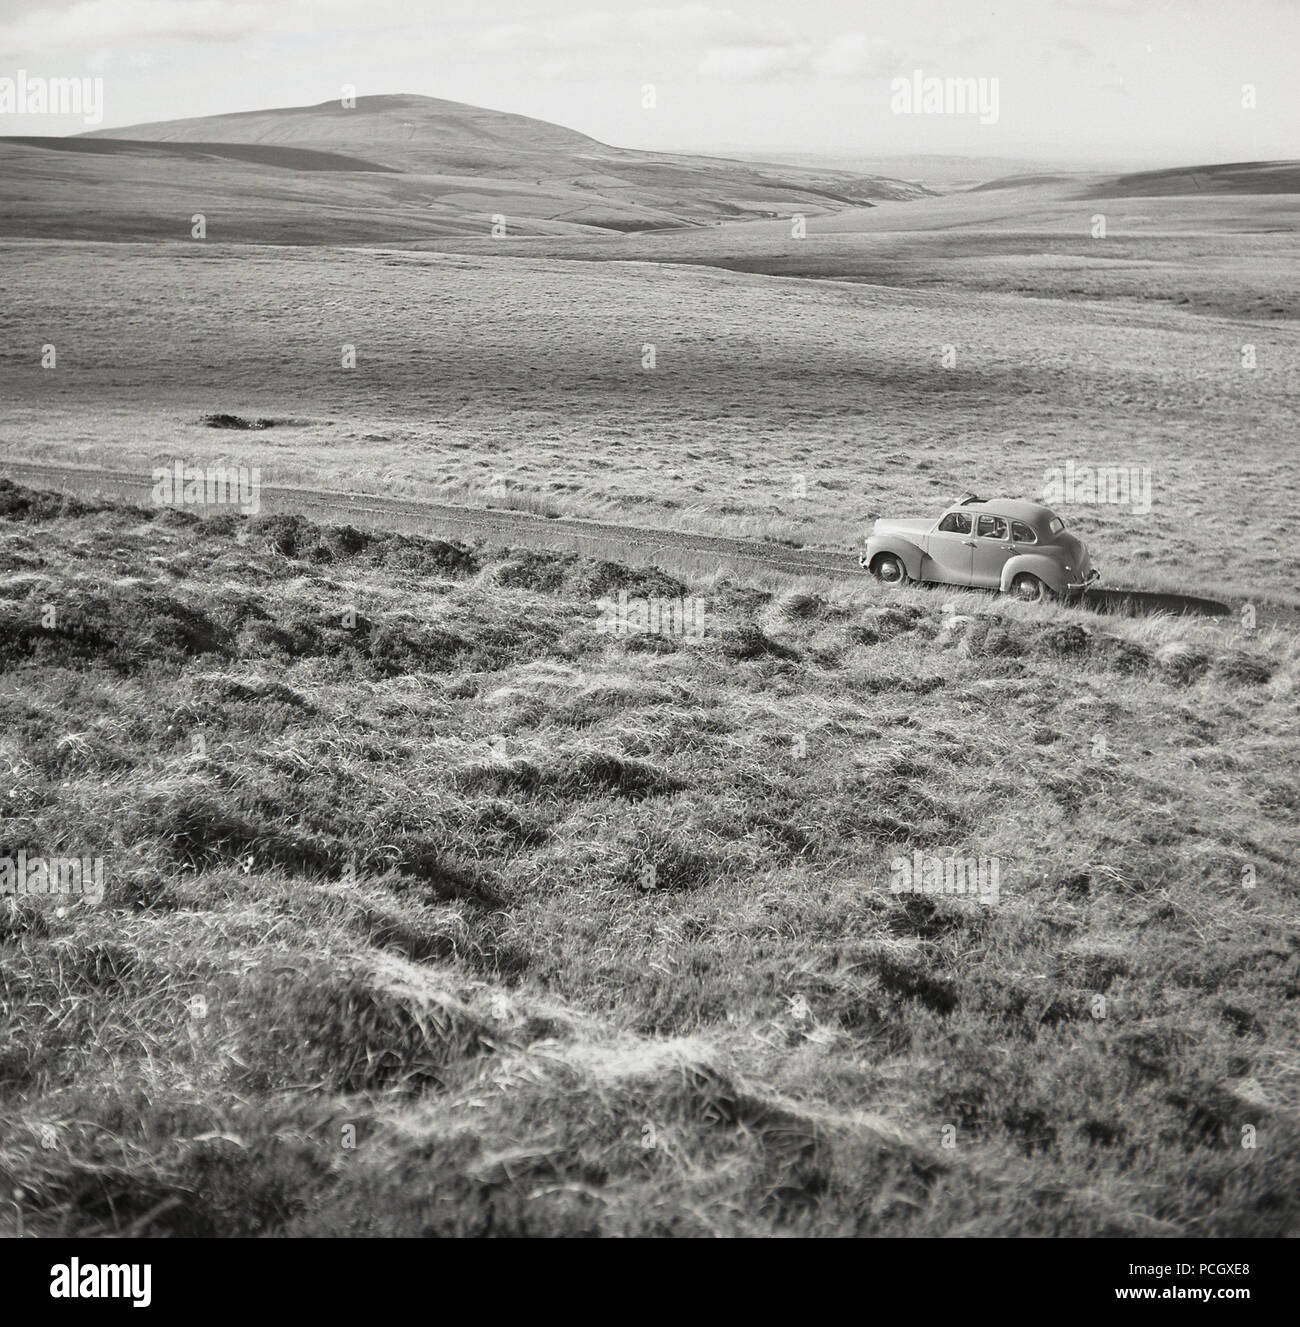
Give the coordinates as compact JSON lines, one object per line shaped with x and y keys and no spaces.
{"x":408,"y":132}
{"x":476,"y":160}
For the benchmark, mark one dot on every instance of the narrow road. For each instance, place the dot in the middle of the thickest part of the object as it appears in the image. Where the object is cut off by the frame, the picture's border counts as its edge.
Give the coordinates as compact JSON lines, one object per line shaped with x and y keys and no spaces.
{"x":441,"y":519}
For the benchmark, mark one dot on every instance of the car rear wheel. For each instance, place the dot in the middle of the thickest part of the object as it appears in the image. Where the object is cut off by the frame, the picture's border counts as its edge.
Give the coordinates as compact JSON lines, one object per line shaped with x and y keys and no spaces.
{"x":1029,"y":589}
{"x":889,"y":570}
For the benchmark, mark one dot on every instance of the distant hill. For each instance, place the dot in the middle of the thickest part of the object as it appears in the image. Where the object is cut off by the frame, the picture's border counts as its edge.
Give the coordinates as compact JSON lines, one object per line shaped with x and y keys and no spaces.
{"x":1246,"y":177}
{"x":285,"y":158}
{"x":1020,"y":182}
{"x":422,"y":135}
{"x":935,"y":171}
{"x":392,"y":169}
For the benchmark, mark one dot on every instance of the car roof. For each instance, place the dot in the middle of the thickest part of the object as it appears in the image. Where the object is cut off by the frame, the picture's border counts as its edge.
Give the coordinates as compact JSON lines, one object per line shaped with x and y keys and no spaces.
{"x":1016,"y":509}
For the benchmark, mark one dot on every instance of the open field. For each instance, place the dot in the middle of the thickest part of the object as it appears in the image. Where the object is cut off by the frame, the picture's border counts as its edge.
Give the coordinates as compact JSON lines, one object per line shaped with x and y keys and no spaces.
{"x":1220,"y":254}
{"x":463,"y":915}
{"x":438,"y":899}
{"x":786,"y":410}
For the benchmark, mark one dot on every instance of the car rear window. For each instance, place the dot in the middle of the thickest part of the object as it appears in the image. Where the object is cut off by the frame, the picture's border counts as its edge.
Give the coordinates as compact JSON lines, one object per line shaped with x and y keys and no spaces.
{"x":1056,"y":525}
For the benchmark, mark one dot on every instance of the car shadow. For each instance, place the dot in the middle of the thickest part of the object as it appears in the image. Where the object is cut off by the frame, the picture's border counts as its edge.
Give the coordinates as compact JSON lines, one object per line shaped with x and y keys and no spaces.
{"x":1142,"y":603}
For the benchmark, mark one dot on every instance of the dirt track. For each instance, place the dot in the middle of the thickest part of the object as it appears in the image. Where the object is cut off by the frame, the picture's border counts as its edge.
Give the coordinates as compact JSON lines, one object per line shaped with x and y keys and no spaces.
{"x":438,"y":519}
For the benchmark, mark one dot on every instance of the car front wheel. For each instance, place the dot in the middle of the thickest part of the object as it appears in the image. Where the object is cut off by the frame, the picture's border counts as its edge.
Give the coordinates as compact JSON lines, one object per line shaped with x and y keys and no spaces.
{"x":889,"y":570}
{"x":1029,"y":589}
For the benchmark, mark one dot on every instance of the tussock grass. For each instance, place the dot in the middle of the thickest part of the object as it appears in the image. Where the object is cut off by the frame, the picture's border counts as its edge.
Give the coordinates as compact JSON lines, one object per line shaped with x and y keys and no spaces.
{"x":740,"y":429}
{"x":431,"y":908}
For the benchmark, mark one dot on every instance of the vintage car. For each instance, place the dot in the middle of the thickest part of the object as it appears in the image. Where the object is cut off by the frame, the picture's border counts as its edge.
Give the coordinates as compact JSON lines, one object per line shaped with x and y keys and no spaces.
{"x":1004,"y":544}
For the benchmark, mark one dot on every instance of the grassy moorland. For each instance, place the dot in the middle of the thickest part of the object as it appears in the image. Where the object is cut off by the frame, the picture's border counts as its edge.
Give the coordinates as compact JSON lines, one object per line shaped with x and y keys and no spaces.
{"x":794,"y":410}
{"x":431,"y":908}
{"x":391,"y":170}
{"x":1220,"y":255}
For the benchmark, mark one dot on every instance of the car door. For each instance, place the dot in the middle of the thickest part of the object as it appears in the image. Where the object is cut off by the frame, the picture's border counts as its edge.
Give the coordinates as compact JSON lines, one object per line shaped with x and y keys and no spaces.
{"x":949,"y":549}
{"x":992,"y":549}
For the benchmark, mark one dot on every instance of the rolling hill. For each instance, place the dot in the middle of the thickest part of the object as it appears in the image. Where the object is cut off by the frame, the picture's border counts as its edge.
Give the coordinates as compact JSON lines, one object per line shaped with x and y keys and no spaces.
{"x":1237,"y":177}
{"x":423,"y":135}
{"x":391,"y":170}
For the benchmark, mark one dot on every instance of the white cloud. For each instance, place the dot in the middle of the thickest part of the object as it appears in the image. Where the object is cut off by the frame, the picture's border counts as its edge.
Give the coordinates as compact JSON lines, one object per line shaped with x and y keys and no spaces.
{"x":99,"y":22}
{"x":752,"y":64}
{"x":683,"y":27}
{"x":722,"y":43}
{"x":703,"y":24}
{"x":856,"y":55}
{"x":1073,"y":53}
{"x":564,"y":34}
{"x":851,"y":55}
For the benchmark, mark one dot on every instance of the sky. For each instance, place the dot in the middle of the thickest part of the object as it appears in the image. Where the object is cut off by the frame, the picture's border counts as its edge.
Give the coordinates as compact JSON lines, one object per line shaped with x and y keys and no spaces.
{"x":1140,"y":81}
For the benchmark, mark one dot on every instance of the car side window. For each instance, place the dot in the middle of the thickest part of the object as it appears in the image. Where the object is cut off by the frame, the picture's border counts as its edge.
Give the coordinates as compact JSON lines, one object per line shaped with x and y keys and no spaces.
{"x":956,"y":522}
{"x":1022,"y":533}
{"x":992,"y":527}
